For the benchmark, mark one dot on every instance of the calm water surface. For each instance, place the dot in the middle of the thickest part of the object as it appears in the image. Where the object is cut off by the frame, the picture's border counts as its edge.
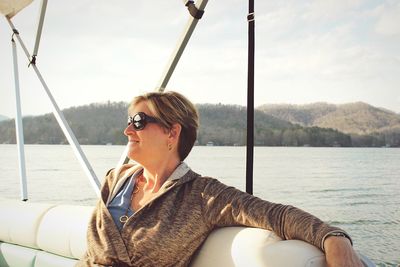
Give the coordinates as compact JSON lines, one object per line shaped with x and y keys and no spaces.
{"x":353,"y":188}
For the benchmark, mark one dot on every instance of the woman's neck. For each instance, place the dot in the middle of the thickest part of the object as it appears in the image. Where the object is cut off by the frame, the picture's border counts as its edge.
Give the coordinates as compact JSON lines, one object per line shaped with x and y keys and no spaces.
{"x":156,"y":174}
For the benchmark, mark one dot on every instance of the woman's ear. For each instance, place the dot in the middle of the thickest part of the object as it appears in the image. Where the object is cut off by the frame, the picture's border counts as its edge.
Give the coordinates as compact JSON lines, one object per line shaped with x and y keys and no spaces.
{"x":175,"y":131}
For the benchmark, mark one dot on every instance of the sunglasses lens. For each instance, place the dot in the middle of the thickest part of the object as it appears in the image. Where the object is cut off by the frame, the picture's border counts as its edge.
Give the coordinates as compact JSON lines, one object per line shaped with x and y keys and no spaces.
{"x":138,"y":121}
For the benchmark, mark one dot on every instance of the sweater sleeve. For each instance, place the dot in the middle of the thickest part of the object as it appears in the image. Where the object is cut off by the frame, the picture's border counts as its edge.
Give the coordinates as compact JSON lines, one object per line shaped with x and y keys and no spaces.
{"x":227,"y":206}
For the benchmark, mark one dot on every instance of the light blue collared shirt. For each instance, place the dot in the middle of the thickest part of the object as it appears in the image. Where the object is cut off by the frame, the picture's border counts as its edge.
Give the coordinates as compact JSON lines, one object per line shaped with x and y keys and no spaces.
{"x":121,"y":203}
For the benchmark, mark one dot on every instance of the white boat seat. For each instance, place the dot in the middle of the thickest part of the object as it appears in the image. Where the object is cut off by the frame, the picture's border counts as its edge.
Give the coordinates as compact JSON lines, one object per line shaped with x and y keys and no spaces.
{"x":42,"y":235}
{"x":244,"y":247}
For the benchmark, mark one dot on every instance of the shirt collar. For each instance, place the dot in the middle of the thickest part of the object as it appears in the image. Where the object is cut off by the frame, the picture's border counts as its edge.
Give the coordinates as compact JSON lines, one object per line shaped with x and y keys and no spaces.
{"x":179,"y":172}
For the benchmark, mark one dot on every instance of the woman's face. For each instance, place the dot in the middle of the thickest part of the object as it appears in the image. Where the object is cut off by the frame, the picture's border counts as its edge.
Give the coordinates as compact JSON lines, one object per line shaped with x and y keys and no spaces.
{"x":150,"y":144}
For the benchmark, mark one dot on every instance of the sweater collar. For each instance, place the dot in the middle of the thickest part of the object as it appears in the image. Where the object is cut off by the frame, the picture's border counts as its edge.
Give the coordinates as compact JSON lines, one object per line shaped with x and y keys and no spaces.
{"x":179,"y":172}
{"x":127,"y":171}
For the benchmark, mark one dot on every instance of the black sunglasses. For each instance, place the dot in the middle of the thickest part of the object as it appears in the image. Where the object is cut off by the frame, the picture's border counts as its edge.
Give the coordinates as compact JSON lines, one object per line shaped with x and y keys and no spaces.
{"x":140,"y":119}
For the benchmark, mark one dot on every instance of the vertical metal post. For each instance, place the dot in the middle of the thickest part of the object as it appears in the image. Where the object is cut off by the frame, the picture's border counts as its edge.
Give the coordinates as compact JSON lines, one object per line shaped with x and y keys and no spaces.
{"x":180,"y":47}
{"x":250,"y":100}
{"x":19,"y":128}
{"x":94,"y":181}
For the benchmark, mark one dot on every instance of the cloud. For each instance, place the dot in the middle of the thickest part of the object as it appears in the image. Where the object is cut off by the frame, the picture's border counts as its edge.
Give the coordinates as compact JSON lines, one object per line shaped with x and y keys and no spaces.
{"x":388,"y":22}
{"x":329,"y":9}
{"x":325,"y":51}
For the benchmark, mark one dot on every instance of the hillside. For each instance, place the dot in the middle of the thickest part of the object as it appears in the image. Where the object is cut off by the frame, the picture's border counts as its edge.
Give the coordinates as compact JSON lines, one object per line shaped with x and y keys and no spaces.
{"x":300,"y":114}
{"x":357,"y":118}
{"x":221,"y":124}
{"x":226,"y":124}
{"x":91,"y":124}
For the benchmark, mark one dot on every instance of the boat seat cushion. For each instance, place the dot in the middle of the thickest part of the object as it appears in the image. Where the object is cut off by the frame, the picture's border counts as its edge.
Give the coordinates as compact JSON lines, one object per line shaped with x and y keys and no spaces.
{"x":63,"y":230}
{"x":45,"y":259}
{"x":42,"y":235}
{"x":244,"y":246}
{"x":15,"y":255}
{"x":20,"y":221}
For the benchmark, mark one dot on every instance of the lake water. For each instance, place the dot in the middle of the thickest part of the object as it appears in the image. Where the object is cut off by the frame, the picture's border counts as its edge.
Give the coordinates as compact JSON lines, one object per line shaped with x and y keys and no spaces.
{"x":356,"y":189}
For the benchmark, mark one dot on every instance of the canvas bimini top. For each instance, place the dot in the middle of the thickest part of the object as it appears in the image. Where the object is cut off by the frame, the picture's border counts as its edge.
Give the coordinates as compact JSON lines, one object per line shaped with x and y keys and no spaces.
{"x":10,"y":8}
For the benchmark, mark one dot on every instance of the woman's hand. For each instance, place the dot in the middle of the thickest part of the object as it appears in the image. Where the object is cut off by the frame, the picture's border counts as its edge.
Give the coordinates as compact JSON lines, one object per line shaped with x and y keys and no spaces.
{"x":340,"y":253}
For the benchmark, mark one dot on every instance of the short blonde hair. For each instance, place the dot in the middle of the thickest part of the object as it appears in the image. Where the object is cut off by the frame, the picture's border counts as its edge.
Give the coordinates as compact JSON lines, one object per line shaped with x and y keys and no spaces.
{"x":171,"y":107}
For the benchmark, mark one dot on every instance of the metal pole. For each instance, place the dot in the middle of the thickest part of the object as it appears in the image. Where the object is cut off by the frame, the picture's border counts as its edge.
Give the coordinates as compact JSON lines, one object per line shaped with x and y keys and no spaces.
{"x":39,"y":28}
{"x":176,"y":55}
{"x":250,"y":101}
{"x":63,"y":124}
{"x":19,"y":128}
{"x":182,"y":42}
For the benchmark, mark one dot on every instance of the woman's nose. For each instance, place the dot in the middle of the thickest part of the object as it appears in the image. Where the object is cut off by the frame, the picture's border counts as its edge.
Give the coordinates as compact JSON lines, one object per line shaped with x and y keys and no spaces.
{"x":128,"y":130}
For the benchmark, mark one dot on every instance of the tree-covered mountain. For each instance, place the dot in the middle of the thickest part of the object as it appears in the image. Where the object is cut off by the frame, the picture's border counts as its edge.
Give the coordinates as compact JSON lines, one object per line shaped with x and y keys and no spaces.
{"x":356,"y":118}
{"x":367,"y":125}
{"x":92,"y":124}
{"x":221,"y":124}
{"x":226,"y":125}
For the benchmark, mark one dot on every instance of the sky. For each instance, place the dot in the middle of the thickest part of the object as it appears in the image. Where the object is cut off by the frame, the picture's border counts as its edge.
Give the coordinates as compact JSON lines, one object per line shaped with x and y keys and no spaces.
{"x":306,"y":51}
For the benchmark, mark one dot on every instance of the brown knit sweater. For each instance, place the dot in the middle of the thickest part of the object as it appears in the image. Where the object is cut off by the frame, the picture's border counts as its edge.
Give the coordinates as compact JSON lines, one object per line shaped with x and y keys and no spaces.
{"x":169,"y":229}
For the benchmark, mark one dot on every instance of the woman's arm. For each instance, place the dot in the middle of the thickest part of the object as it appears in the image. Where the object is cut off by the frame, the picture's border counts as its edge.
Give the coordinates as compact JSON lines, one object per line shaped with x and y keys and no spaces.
{"x":227,"y":206}
{"x":339,"y":252}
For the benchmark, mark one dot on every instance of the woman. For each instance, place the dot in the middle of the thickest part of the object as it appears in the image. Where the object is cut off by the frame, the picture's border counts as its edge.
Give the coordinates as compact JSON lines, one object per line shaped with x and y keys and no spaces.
{"x":158,"y":212}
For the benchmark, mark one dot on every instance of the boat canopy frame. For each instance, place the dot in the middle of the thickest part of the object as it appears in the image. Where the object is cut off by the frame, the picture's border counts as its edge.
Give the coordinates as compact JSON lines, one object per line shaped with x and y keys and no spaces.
{"x":94,"y":181}
{"x":196,"y":11}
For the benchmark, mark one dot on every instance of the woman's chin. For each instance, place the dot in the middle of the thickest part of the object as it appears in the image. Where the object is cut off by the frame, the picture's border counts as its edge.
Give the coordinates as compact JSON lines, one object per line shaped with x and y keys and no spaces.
{"x":132,"y":150}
